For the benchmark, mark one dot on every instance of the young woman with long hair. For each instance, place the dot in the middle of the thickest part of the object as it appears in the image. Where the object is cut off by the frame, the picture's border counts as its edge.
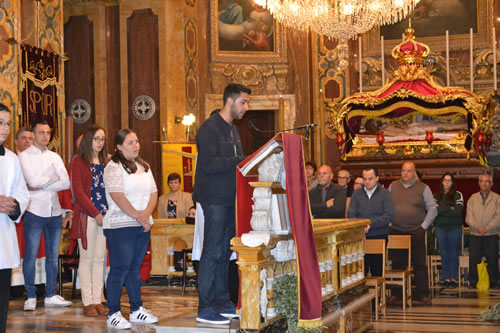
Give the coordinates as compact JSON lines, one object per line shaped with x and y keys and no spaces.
{"x":90,"y":206}
{"x":132,"y":196}
{"x":448,"y":227}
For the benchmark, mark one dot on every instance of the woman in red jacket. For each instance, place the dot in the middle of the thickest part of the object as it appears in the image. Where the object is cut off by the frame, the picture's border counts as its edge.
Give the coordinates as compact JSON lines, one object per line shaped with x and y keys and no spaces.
{"x":89,"y":209}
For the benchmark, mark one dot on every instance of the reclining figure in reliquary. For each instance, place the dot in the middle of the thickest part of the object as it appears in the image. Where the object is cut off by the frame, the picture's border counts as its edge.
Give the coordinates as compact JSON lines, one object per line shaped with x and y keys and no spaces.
{"x":412,"y":114}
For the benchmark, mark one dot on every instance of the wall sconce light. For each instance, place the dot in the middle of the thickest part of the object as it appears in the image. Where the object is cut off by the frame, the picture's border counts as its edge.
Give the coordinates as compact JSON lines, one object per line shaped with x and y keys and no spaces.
{"x":188,"y":121}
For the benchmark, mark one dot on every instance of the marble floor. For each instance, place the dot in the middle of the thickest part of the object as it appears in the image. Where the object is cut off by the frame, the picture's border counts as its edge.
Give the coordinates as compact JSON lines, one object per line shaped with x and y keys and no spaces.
{"x":451,"y":311}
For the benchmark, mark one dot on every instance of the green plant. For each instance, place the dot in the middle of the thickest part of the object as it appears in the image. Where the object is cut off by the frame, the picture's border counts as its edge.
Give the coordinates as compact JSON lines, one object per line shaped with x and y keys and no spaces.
{"x":491,"y":313}
{"x":286,"y":303}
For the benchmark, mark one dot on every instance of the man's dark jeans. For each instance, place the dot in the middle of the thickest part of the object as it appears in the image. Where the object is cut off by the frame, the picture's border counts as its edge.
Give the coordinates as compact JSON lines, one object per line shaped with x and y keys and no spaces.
{"x":213,"y":271}
{"x":483,"y":246}
{"x":34,"y":226}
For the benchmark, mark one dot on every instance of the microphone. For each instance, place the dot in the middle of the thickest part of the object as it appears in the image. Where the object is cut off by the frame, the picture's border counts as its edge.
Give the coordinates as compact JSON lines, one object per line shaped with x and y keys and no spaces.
{"x":250,"y":123}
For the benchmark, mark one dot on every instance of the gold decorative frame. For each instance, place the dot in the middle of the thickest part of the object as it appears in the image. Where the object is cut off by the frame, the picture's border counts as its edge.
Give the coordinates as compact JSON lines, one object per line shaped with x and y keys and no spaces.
{"x":278,"y":55}
{"x":482,"y":39}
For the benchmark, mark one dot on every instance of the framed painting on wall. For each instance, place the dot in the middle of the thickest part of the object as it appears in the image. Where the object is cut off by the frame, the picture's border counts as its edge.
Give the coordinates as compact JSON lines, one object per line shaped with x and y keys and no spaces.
{"x":241,"y":31}
{"x":431,"y":19}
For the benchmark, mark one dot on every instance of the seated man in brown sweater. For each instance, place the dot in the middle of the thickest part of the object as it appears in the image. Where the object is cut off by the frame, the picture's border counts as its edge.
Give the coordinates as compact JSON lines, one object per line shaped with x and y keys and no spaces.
{"x":414,"y":211}
{"x":328,"y":200}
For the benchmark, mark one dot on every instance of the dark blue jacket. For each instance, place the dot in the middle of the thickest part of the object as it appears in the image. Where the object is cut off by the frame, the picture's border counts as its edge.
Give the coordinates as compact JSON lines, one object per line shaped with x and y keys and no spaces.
{"x":219,"y":152}
{"x":379,"y":209}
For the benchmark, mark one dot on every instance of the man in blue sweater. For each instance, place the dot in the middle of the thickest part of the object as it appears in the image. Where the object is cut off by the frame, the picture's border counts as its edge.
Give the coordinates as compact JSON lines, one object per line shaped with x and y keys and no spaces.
{"x":219,"y":152}
{"x":374,"y":202}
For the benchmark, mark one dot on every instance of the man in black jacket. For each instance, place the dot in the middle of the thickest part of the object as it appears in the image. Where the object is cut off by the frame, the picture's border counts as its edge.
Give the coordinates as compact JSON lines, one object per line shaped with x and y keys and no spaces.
{"x":219,"y":152}
{"x":373,"y":202}
{"x":327,"y":199}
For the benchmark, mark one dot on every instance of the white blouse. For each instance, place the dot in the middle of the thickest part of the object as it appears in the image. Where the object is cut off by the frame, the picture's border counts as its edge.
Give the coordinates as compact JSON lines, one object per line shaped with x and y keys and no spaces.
{"x":12,"y":184}
{"x":137,"y":188}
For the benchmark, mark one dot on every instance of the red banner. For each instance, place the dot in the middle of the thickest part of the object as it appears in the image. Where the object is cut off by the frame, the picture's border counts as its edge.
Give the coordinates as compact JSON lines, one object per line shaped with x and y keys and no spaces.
{"x":308,"y":275}
{"x":40,"y":76}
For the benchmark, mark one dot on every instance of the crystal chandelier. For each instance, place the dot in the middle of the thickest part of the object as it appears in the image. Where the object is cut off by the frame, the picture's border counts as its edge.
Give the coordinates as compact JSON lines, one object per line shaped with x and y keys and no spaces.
{"x":338,"y":19}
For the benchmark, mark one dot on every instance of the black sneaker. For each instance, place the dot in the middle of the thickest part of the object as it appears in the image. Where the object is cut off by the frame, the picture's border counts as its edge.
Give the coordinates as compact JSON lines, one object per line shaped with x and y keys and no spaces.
{"x":447,"y":284}
{"x":229,"y":312}
{"x":453,"y":284}
{"x":209,"y":316}
{"x":472,"y":285}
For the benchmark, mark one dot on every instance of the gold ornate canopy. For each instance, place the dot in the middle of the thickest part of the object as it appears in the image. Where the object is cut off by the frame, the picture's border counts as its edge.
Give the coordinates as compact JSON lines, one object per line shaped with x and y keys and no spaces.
{"x":411,"y":114}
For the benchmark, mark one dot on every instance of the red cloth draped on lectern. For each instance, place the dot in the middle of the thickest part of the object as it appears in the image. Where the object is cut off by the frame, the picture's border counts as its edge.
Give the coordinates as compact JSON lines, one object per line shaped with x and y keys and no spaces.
{"x":309,"y":279}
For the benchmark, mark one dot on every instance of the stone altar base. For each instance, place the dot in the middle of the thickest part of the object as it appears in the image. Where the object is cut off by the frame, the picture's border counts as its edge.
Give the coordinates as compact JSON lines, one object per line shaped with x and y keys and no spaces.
{"x":354,"y":317}
{"x":188,"y":324}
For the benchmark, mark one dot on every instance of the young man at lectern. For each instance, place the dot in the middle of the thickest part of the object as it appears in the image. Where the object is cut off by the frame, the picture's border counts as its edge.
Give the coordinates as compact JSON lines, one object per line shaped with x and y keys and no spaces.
{"x":219,"y":152}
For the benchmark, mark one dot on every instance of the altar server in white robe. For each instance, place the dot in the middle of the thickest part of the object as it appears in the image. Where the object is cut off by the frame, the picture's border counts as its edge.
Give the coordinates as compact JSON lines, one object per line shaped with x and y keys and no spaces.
{"x":14,"y":198}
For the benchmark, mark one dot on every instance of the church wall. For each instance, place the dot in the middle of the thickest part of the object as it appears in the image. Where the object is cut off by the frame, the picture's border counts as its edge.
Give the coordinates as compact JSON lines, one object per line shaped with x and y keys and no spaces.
{"x":289,"y":75}
{"x":17,"y":26}
{"x":143,"y":80}
{"x":137,"y":50}
{"x":113,"y":102}
{"x":9,"y":28}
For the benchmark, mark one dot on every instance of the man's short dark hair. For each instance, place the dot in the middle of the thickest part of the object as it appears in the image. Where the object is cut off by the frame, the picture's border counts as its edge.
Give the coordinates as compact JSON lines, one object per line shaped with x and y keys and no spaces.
{"x":174,"y":176}
{"x":39,"y":122}
{"x":4,"y":108}
{"x":234,"y":90}
{"x":375,"y":171}
{"x":21,"y":130}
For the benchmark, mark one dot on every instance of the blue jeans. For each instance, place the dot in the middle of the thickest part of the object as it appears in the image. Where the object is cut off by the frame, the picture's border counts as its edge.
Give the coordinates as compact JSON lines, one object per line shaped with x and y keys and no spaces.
{"x":127,"y":247}
{"x":449,"y":247}
{"x":51,"y":227}
{"x":213,"y":269}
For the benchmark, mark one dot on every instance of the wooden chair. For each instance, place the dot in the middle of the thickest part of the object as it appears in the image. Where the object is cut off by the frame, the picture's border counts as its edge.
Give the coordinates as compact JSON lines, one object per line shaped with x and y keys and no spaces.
{"x":400,"y":277}
{"x":71,"y":262}
{"x":185,"y":254}
{"x":377,"y":246}
{"x":463,"y":264}
{"x":433,"y":264}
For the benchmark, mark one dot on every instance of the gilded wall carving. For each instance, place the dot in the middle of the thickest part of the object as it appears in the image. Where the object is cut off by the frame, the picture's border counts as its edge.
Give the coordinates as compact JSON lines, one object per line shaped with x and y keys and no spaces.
{"x":259,"y":78}
{"x":332,"y":80}
{"x":436,"y":62}
{"x":9,"y":32}
{"x":191,"y":65}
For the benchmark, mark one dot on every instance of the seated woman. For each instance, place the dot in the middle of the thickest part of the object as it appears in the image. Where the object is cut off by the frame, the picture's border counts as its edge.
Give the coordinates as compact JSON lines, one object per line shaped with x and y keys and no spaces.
{"x":176,"y":203}
{"x":311,"y":179}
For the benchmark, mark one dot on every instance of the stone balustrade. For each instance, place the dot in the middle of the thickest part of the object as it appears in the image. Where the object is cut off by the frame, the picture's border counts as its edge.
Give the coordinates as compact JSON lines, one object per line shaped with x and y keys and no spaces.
{"x":339,"y":245}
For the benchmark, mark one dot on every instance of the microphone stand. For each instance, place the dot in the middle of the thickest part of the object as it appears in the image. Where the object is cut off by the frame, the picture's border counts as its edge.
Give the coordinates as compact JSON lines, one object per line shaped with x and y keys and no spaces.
{"x":305,"y":127}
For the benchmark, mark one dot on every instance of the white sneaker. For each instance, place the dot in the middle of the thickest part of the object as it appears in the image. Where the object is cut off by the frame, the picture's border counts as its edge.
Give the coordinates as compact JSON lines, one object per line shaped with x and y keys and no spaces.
{"x":116,"y":320}
{"x":30,"y":304}
{"x":143,"y":316}
{"x":56,"y":300}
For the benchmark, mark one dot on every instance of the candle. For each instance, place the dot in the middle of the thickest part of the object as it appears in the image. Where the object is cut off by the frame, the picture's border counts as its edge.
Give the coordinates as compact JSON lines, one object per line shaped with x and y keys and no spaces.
{"x":447,"y":59}
{"x":360,"y":65}
{"x":494,"y":59}
{"x":382,"y":67}
{"x":471,"y":62}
